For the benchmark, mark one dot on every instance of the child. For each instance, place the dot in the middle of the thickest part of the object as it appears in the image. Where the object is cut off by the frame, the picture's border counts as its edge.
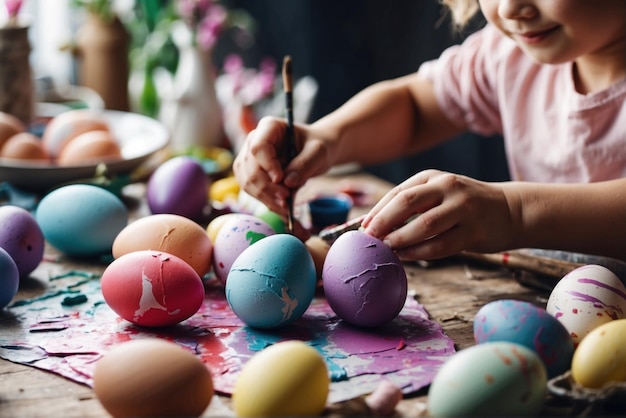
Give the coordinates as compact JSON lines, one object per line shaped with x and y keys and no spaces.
{"x":549,"y":76}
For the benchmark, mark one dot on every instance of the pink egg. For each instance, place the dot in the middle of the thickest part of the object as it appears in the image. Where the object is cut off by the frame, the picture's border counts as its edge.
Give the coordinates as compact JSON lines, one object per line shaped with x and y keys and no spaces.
{"x":152,"y":288}
{"x":236,"y":234}
{"x":364,"y":281}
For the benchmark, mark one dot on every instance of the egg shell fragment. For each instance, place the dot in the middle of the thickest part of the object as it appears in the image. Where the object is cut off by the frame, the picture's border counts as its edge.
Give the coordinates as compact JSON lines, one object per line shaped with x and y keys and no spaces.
{"x":272,"y":282}
{"x":173,"y":234}
{"x":152,"y":288}
{"x":288,"y":378}
{"x":600,"y":357}
{"x":152,"y":378}
{"x":586,"y":298}
{"x":179,"y":186}
{"x":491,"y":379}
{"x":9,"y":278}
{"x":235,"y":235}
{"x":529,"y":325}
{"x":81,"y":220}
{"x":21,"y":237}
{"x":364,"y":281}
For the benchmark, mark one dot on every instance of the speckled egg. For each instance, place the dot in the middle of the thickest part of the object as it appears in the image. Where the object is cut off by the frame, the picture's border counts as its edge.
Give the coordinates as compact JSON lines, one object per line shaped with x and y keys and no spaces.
{"x":81,"y":220}
{"x":272,"y":282}
{"x":586,"y":298}
{"x":364,"y":281}
{"x":529,"y":325}
{"x":152,"y":288}
{"x":491,"y":379}
{"x":235,"y":235}
{"x":21,"y":237}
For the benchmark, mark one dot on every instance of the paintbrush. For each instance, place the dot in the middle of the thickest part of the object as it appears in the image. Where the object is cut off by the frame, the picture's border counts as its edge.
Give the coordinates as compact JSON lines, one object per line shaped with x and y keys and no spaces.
{"x":512,"y":259}
{"x":290,"y":143}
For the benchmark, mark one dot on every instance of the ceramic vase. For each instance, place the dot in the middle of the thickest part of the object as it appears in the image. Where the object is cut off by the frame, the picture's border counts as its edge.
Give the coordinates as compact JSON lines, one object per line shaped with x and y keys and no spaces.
{"x":16,"y":80}
{"x":102,"y":48}
{"x":191,"y":109}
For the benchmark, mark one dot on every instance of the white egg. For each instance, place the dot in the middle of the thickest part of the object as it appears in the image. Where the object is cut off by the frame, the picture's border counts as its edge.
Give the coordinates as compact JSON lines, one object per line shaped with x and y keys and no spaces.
{"x":586,"y":298}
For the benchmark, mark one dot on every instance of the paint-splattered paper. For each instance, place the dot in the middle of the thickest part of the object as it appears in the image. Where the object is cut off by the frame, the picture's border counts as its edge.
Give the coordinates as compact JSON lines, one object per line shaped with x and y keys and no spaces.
{"x":68,"y":328}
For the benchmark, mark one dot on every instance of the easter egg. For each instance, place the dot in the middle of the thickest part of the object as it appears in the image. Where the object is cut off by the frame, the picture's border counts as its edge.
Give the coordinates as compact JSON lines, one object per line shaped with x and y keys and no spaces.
{"x":151,"y":377}
{"x":178,"y":186}
{"x":90,"y":148}
{"x":600,"y":357}
{"x":68,"y":125}
{"x":24,"y":146}
{"x":288,"y":378}
{"x":173,"y":234}
{"x":9,"y":126}
{"x":152,"y":288}
{"x":586,"y":298}
{"x":235,"y":235}
{"x":272,"y":282}
{"x":216,"y":224}
{"x":491,"y":379}
{"x":529,"y":325}
{"x":21,"y":237}
{"x":364,"y":281}
{"x":9,"y":278}
{"x":81,"y":220}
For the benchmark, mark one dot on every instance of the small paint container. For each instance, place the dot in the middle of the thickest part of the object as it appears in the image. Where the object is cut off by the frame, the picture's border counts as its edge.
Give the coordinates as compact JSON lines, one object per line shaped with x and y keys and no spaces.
{"x":329,"y":210}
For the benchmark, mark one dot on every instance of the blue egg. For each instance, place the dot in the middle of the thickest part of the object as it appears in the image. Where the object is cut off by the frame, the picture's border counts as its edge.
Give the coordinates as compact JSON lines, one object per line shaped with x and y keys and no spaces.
{"x":529,"y":325}
{"x":272,"y":282}
{"x":81,"y":220}
{"x":9,"y":278}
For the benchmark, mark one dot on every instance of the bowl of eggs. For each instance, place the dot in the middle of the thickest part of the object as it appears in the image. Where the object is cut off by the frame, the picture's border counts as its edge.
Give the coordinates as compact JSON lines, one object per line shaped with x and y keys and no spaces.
{"x":74,"y":144}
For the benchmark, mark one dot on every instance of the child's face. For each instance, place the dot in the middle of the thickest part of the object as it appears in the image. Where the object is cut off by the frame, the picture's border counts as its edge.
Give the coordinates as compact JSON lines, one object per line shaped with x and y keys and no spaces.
{"x":558,"y":31}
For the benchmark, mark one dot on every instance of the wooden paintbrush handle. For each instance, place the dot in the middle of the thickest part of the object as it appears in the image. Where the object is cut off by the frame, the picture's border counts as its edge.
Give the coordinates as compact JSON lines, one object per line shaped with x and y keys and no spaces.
{"x":517,"y":260}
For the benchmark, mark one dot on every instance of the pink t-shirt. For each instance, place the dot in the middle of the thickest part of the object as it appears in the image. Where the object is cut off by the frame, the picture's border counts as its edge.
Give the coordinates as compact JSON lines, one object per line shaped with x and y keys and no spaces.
{"x":551,"y":132}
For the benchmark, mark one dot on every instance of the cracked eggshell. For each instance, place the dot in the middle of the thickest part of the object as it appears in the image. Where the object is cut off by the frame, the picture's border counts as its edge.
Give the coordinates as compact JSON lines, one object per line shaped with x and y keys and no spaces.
{"x":234,"y":236}
{"x":152,"y":288}
{"x":272,"y":282}
{"x":173,"y":234}
{"x":364,"y":281}
{"x":586,"y":298}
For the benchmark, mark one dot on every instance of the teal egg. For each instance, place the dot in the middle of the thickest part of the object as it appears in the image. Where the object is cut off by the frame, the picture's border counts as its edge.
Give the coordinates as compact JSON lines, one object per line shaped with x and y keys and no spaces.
{"x":81,"y":220}
{"x":272,"y":282}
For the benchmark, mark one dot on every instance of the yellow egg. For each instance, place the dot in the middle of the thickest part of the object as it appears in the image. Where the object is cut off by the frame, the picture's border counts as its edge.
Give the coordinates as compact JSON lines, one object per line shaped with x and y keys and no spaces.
{"x":288,"y":378}
{"x":152,"y":377}
{"x":214,"y":226}
{"x":224,"y":189}
{"x":601,"y":356}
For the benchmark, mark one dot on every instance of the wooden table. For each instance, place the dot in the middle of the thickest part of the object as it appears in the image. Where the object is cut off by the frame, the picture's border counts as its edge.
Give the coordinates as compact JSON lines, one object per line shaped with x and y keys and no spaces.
{"x":452,"y":291}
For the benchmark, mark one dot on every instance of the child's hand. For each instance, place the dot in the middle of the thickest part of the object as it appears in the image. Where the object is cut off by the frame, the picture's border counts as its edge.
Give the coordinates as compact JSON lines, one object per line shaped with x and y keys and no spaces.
{"x":455,"y":213}
{"x":260,"y":166}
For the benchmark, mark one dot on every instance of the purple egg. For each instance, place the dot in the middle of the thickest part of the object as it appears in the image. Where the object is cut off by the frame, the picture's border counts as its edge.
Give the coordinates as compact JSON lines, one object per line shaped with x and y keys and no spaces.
{"x":364,"y":281}
{"x":9,"y":278}
{"x":179,"y":186}
{"x":21,"y":237}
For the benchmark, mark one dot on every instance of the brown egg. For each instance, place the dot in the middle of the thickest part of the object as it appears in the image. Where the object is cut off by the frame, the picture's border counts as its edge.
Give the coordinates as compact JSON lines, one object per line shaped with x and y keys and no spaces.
{"x":90,"y":148}
{"x":152,"y":377}
{"x":67,"y":126}
{"x":24,"y":146}
{"x":9,"y":126}
{"x":318,"y":249}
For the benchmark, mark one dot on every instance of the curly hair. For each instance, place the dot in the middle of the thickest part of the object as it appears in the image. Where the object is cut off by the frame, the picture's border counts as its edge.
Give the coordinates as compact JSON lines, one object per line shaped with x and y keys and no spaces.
{"x":462,"y":10}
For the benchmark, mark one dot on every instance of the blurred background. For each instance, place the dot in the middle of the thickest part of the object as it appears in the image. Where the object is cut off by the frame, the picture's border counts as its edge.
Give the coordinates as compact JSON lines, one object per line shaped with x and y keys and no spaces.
{"x":339,"y":46}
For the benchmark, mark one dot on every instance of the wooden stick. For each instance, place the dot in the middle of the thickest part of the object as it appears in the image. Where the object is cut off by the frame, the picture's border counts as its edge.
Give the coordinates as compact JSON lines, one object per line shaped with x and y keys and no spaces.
{"x":532,"y":263}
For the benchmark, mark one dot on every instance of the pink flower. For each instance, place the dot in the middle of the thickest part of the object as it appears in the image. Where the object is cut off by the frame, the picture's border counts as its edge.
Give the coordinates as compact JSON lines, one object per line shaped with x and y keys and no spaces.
{"x":13,"y":7}
{"x":206,"y":18}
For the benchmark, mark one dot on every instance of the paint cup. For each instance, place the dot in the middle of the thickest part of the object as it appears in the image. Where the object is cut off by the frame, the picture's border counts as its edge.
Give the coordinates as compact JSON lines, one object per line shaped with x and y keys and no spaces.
{"x":329,"y":210}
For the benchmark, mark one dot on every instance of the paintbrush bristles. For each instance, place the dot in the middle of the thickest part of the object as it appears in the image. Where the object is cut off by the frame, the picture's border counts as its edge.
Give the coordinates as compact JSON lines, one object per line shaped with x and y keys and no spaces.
{"x":287,"y":78}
